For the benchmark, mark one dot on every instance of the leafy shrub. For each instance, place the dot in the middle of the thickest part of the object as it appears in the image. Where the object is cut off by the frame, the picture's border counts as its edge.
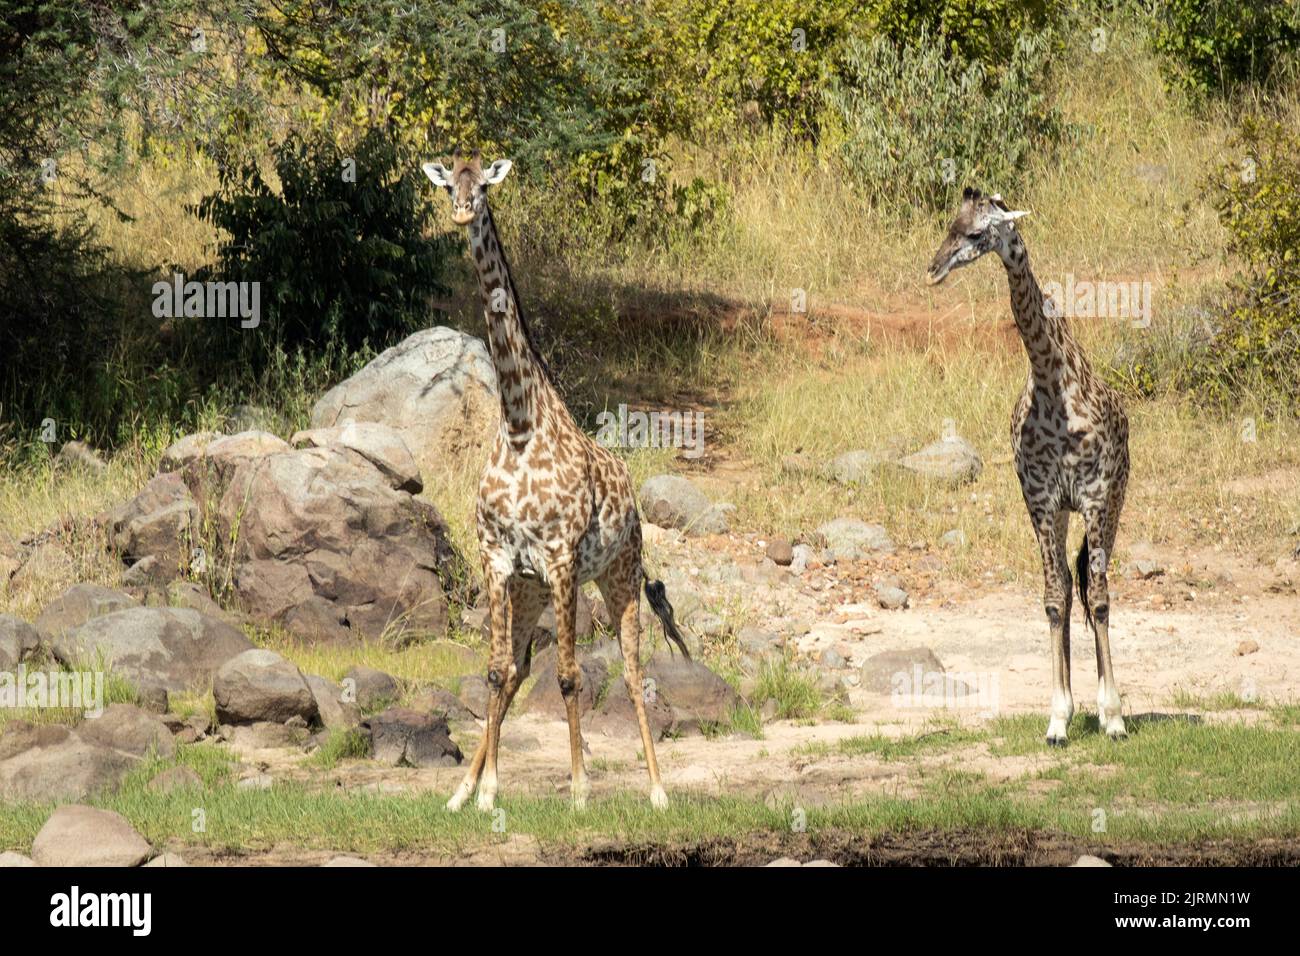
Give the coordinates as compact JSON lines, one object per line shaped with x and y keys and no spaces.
{"x":1257,"y":345}
{"x":920,"y":122}
{"x":1213,"y":46}
{"x":340,"y":262}
{"x":984,"y":30}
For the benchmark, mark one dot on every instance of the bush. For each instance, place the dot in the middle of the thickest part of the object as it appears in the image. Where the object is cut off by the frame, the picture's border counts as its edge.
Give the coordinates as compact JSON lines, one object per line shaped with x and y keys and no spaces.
{"x":1257,"y":345}
{"x":341,"y":262}
{"x":1214,"y":46}
{"x":920,"y":122}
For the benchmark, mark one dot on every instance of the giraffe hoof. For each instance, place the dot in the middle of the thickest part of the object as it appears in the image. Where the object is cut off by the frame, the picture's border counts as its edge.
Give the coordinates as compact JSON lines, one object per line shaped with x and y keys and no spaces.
{"x":486,"y":801}
{"x":1057,"y":741}
{"x":1118,"y":735}
{"x":658,"y":798}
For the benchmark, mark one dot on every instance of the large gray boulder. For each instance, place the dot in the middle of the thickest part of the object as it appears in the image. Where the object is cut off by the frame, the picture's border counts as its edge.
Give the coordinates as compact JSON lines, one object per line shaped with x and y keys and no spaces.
{"x":260,"y":685}
{"x":672,"y":501}
{"x":77,"y":605}
{"x":326,"y":524}
{"x":127,"y":728}
{"x":380,"y":445}
{"x":401,"y":737}
{"x":695,"y":694}
{"x":545,"y":697}
{"x":18,"y":641}
{"x":173,"y":648}
{"x":87,"y":836}
{"x":53,"y":762}
{"x":436,"y":388}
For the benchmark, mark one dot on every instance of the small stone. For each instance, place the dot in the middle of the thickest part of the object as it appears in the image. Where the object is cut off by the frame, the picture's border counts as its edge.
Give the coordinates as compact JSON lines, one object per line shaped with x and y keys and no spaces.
{"x":1247,"y":647}
{"x":785,"y":861}
{"x":258,"y":781}
{"x":891,"y":598}
{"x":1146,"y":569}
{"x":342,"y":861}
{"x":167,"y":860}
{"x":780,"y":551}
{"x":1089,"y":860}
{"x":956,"y":538}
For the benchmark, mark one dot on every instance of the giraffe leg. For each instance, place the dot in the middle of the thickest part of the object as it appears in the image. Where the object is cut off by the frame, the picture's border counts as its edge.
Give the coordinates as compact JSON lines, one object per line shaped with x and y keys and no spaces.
{"x":564,"y":592}
{"x":526,"y":605}
{"x":1051,"y":530}
{"x":1101,"y":536}
{"x":621,"y":592}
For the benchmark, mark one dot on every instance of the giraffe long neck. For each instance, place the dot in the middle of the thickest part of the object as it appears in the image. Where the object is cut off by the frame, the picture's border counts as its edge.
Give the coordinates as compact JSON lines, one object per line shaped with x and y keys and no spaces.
{"x":522,"y":378}
{"x":1051,"y":348}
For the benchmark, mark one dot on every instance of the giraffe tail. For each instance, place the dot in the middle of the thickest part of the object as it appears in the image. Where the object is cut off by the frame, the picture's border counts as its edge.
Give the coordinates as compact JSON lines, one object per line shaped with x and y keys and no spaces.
{"x":658,"y":598}
{"x":1081,"y":572}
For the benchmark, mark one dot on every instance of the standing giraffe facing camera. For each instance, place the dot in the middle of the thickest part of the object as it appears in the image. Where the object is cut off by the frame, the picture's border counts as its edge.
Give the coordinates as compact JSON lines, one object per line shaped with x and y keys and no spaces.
{"x":1070,"y":438}
{"x":555,"y":510}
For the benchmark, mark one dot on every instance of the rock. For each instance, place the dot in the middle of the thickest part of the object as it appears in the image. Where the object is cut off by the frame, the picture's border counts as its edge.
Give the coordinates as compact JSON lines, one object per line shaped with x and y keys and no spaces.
{"x":192,"y":595}
{"x":174,"y":648}
{"x":545,"y":697}
{"x":370,"y":688}
{"x":855,"y":467}
{"x":325,"y":523}
{"x":18,"y":642}
{"x":127,"y":728}
{"x":780,"y":551}
{"x":1088,"y":860}
{"x":848,"y":539}
{"x":695,"y":694}
{"x":167,"y":860}
{"x":615,"y":716}
{"x":260,"y":685}
{"x":798,"y":464}
{"x":86,"y":836}
{"x":265,"y":735}
{"x":832,"y":659}
{"x":150,"y":569}
{"x":956,"y":538}
{"x":51,"y":762}
{"x":584,"y":626}
{"x":951,"y":459}
{"x":785,"y":861}
{"x":77,"y":454}
{"x":257,"y":781}
{"x":400,"y":737}
{"x":437,"y":389}
{"x":757,"y":642}
{"x":891,"y":598}
{"x":671,"y":501}
{"x":318,"y":620}
{"x":220,"y":457}
{"x":335,"y":712}
{"x":186,"y":451}
{"x":1247,"y":647}
{"x":895,"y":671}
{"x":800,"y":558}
{"x":474,"y":695}
{"x":11,"y":860}
{"x":1146,"y":569}
{"x":175,"y":778}
{"x":378,"y":444}
{"x":44,"y":563}
{"x":158,"y":522}
{"x":153,"y":699}
{"x":246,"y":417}
{"x":342,"y":861}
{"x":440,"y":702}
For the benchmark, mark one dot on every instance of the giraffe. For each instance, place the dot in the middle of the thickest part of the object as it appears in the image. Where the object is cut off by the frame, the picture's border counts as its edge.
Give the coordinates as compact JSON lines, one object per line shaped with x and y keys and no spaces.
{"x":554,"y":511}
{"x":1070,"y":439}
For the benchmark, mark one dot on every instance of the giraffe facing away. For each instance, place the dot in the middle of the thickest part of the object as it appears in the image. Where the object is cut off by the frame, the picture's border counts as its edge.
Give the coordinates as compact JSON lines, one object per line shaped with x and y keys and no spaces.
{"x":555,"y":510}
{"x":1070,"y":439}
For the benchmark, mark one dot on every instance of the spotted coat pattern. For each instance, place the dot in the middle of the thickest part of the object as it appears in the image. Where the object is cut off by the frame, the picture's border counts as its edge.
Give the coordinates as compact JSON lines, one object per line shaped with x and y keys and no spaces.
{"x":1069,"y":435}
{"x":554,"y":511}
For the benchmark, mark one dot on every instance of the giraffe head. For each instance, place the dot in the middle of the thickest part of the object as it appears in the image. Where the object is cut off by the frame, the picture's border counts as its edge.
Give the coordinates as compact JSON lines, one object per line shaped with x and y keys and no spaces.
{"x":983,"y":224}
{"x":466,"y":183}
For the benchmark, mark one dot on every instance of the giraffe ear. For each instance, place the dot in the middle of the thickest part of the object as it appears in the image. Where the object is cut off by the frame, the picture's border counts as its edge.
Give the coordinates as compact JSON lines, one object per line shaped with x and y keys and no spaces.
{"x":497,"y":171}
{"x":438,"y":174}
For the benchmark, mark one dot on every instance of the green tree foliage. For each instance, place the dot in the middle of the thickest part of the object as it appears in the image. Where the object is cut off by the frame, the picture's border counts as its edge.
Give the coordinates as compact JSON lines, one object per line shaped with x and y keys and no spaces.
{"x":338,"y":248}
{"x":1216,"y":46}
{"x":920,"y":121}
{"x":1257,"y":345}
